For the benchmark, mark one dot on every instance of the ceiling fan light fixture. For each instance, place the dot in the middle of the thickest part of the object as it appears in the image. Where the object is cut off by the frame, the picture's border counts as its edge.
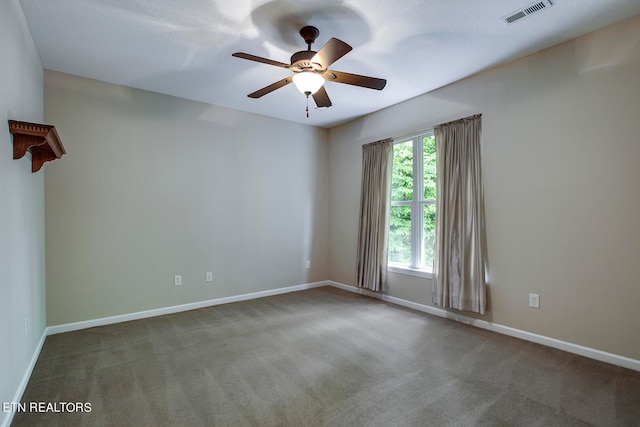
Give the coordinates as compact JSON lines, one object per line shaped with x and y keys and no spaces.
{"x":308,"y":82}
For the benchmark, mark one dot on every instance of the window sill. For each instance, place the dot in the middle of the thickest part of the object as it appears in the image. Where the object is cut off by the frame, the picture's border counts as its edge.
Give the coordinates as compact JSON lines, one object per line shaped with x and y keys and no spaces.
{"x":410,"y":271}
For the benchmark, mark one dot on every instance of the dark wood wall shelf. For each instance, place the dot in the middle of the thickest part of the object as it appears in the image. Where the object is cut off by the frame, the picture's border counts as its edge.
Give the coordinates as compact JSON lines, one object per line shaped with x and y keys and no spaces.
{"x":42,"y":141}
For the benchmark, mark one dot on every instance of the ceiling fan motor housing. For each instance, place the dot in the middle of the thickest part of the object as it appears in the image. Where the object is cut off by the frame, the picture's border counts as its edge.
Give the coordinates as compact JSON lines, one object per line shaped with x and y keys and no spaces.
{"x":301,"y":61}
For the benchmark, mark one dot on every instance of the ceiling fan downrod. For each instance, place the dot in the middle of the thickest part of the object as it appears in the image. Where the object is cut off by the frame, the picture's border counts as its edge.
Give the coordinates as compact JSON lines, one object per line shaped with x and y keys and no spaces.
{"x":309,"y":34}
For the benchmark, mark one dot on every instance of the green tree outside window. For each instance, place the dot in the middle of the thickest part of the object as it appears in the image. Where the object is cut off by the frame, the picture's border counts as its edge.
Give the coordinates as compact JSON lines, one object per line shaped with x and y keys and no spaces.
{"x":413,"y":194}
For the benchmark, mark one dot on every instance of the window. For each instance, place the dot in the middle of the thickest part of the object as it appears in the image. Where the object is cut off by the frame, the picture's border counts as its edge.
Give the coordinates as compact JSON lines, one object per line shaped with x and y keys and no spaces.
{"x":412,"y":224}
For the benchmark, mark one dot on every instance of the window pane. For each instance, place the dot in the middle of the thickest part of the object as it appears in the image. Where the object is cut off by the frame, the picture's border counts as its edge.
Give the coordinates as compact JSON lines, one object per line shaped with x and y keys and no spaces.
{"x":400,"y":235}
{"x":429,"y":167}
{"x":428,"y":236}
{"x":402,"y":180}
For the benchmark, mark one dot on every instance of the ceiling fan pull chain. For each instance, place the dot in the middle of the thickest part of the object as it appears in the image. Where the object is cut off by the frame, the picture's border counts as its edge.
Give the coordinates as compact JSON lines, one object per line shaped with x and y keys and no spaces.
{"x":307,"y":105}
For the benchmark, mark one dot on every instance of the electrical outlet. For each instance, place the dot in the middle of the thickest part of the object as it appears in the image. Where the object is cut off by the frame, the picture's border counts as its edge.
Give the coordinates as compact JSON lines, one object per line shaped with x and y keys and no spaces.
{"x":209,"y":276}
{"x":26,"y":326}
{"x":177,"y":280}
{"x":534,"y":300}
{"x":308,"y":264}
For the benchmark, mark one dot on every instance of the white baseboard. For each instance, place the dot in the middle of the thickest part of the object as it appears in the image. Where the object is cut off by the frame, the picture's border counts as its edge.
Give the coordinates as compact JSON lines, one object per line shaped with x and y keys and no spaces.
{"x":8,"y":416}
{"x":75,"y":326}
{"x":591,"y":353}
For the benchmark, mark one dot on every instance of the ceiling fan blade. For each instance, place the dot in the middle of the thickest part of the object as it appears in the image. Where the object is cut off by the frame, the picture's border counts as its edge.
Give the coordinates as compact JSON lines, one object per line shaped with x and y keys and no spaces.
{"x":333,"y":50}
{"x":260,"y":59}
{"x":355,"y":79}
{"x":321,"y":98}
{"x":270,"y":88}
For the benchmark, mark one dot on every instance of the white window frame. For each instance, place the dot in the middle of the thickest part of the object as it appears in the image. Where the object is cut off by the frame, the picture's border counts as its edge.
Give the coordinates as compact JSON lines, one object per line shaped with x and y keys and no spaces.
{"x":417,"y":209}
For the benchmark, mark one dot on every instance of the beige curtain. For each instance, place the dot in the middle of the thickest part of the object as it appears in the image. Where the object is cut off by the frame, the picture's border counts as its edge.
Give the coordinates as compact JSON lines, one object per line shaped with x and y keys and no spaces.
{"x":459,"y":279}
{"x":373,"y":237}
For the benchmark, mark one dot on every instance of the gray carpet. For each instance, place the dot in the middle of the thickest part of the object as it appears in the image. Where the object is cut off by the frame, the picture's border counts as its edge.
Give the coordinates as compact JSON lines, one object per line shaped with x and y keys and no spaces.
{"x":322,"y":357}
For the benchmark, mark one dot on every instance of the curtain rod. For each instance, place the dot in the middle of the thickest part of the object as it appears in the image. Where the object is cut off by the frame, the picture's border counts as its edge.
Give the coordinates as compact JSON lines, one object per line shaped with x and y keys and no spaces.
{"x":378,"y":142}
{"x":475,"y":116}
{"x":425,"y":130}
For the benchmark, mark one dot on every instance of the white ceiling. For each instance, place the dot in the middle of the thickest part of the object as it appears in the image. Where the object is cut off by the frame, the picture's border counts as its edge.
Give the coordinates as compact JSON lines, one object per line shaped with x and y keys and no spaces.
{"x":183,"y":48}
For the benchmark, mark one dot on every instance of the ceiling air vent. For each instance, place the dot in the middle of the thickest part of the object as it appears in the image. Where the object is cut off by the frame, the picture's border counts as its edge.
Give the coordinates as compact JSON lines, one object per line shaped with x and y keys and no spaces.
{"x":536,"y":7}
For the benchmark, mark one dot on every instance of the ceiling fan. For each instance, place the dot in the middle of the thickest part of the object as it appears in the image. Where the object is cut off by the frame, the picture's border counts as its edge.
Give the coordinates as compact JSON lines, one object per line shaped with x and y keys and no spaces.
{"x":310,"y":70}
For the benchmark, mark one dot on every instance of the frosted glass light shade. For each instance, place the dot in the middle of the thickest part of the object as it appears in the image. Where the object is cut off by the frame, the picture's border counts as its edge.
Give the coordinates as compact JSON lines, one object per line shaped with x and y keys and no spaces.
{"x":308,"y":82}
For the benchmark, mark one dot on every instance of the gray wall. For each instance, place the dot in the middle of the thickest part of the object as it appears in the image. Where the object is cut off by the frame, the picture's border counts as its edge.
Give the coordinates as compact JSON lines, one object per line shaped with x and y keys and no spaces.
{"x":22,"y":262}
{"x":155,"y":186}
{"x":561,"y":147}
